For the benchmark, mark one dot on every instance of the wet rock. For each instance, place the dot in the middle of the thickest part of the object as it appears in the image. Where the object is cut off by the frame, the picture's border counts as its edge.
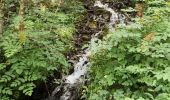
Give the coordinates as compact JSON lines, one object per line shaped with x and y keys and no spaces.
{"x":96,"y":21}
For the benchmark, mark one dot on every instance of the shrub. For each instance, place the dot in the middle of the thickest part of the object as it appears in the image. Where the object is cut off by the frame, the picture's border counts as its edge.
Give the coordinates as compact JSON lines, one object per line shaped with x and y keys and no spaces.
{"x":36,"y":51}
{"x":132,"y":63}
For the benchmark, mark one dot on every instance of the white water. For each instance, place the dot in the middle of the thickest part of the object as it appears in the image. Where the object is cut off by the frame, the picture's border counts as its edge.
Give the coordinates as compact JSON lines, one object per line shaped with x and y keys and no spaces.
{"x":114,"y":16}
{"x":80,"y":68}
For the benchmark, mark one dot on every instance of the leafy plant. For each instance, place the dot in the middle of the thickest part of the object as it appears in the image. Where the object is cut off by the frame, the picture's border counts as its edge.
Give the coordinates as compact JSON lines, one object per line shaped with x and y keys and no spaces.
{"x":132,"y":63}
{"x":37,"y":50}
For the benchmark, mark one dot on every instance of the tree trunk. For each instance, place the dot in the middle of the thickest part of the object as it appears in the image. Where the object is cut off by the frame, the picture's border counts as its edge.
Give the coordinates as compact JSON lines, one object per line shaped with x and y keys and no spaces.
{"x":22,"y":34}
{"x":1,"y":16}
{"x":21,"y":13}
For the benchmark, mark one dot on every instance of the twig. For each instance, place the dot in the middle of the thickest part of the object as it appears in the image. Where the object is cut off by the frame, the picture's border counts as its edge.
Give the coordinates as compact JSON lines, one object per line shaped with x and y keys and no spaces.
{"x":47,"y":88}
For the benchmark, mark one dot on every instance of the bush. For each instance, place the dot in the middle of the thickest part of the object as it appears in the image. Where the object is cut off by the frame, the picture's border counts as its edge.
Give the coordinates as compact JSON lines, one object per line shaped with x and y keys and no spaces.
{"x":132,"y":63}
{"x":36,"y":51}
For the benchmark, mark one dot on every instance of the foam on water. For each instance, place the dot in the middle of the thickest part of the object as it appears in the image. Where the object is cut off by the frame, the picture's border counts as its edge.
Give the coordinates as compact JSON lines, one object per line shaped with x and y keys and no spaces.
{"x":80,"y":68}
{"x":114,"y":16}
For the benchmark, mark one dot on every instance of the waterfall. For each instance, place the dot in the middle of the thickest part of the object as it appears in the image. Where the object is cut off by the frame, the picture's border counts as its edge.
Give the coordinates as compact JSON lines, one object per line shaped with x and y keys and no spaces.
{"x":81,"y":67}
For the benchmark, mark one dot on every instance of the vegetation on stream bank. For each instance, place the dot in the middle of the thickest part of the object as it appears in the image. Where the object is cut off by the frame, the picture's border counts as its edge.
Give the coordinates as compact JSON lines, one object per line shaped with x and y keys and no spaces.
{"x":131,"y":63}
{"x":36,"y":35}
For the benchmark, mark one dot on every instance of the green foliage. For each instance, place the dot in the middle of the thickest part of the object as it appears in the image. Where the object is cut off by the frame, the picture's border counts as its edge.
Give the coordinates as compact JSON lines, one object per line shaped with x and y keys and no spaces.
{"x":132,"y":63}
{"x":38,"y":50}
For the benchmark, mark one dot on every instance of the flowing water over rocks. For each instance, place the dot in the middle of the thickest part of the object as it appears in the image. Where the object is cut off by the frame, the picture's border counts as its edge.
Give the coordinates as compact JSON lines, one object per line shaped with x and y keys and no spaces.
{"x":68,"y":89}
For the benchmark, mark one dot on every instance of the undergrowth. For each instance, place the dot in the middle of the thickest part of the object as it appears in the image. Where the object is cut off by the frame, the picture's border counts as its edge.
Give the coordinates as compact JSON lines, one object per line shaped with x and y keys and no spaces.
{"x":132,"y":63}
{"x":34,"y":52}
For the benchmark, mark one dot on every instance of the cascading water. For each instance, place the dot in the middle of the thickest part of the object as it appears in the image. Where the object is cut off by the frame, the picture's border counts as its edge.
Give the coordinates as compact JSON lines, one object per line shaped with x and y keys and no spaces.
{"x":80,"y":68}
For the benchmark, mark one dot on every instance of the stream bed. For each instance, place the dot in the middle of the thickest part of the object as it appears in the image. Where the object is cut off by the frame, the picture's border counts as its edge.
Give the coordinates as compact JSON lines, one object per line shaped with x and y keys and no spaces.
{"x":67,"y":91}
{"x":100,"y":18}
